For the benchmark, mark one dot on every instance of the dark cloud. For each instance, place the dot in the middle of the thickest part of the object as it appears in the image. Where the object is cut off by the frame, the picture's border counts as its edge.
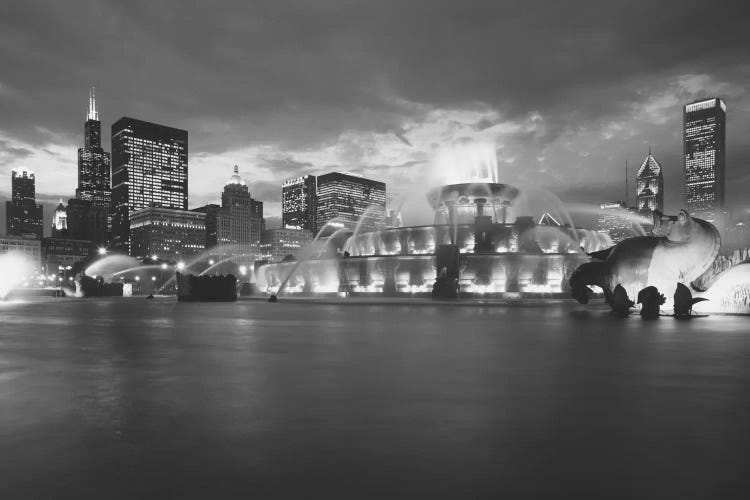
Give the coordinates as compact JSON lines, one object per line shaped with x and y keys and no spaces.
{"x":299,"y":74}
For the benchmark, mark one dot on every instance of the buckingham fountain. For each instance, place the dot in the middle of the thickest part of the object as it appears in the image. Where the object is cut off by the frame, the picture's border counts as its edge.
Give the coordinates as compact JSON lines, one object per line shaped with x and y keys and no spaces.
{"x":485,"y":240}
{"x":493,"y":240}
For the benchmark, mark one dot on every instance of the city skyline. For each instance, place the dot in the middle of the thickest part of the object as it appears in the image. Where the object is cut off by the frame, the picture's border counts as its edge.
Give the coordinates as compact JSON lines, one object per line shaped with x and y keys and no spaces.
{"x":602,"y":99}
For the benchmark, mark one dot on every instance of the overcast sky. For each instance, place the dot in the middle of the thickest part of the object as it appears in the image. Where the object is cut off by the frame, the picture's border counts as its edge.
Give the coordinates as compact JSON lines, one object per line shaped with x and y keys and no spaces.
{"x":566,"y":91}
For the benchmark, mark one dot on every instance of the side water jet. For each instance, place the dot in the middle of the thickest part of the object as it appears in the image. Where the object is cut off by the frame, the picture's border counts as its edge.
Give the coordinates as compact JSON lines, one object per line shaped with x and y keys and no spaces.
{"x":109,"y":265}
{"x":217,"y":264}
{"x":335,"y":222}
{"x":370,"y":213}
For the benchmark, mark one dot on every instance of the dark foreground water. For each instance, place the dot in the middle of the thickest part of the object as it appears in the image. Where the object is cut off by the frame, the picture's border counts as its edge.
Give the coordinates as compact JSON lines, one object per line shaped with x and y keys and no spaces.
{"x":132,"y":398}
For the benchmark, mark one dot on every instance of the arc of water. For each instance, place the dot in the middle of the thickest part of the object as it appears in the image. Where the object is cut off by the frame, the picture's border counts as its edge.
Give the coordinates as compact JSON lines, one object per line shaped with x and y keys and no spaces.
{"x":365,"y":215}
{"x":227,"y":259}
{"x":136,"y":268}
{"x":302,"y":257}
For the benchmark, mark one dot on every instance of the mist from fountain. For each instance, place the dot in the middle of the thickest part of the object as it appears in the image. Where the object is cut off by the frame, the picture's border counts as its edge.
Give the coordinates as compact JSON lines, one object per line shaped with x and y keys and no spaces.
{"x":592,"y":212}
{"x":14,"y":270}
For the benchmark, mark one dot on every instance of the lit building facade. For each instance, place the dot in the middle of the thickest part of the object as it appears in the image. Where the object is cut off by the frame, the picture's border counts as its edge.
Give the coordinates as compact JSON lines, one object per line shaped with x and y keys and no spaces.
{"x":299,"y":202}
{"x":615,"y":220}
{"x":169,"y":234}
{"x":94,"y":181}
{"x":59,"y":254}
{"x":650,"y":186}
{"x":23,"y":215}
{"x":348,"y":198}
{"x":149,"y":169}
{"x":60,"y":221}
{"x":704,"y":154}
{"x":285,"y":241}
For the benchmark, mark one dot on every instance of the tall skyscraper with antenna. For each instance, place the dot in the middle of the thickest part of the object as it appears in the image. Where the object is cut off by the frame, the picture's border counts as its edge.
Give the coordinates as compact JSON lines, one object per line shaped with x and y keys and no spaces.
{"x":93,"y":161}
{"x":88,"y":214}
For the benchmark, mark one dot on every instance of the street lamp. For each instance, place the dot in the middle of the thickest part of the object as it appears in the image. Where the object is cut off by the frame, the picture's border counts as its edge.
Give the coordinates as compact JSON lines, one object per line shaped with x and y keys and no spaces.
{"x":154,"y":257}
{"x":180,"y":266}
{"x":102,"y":251}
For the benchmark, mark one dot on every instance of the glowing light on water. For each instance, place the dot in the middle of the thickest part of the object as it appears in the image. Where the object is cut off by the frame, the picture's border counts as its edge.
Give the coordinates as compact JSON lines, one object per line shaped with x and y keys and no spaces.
{"x":466,"y":162}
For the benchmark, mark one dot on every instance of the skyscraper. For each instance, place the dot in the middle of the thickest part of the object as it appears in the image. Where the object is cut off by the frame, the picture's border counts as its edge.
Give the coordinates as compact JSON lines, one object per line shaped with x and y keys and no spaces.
{"x":23,"y":216}
{"x":704,"y":151}
{"x":239,"y":221}
{"x":93,"y":162}
{"x":149,"y":169}
{"x":299,"y":202}
{"x":348,"y":198}
{"x":60,"y":221}
{"x":650,"y":185}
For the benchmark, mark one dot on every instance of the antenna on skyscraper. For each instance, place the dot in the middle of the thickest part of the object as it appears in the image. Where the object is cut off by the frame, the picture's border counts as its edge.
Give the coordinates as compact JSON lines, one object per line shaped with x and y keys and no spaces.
{"x":93,"y":114}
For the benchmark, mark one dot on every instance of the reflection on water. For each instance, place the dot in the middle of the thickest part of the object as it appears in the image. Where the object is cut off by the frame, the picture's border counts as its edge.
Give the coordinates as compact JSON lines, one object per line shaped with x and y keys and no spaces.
{"x":131,"y":398}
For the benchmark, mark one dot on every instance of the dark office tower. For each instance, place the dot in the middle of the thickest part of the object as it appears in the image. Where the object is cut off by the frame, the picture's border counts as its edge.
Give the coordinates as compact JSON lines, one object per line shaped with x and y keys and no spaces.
{"x":149,"y":169}
{"x":86,"y":222}
{"x":212,"y":213}
{"x":347,"y":198}
{"x":298,"y":202}
{"x":93,"y":162}
{"x":23,"y":216}
{"x":704,"y":151}
{"x":650,"y":186}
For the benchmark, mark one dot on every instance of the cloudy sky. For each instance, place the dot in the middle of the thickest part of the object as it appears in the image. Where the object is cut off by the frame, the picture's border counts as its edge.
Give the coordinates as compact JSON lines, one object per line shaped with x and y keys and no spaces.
{"x":566,"y":91}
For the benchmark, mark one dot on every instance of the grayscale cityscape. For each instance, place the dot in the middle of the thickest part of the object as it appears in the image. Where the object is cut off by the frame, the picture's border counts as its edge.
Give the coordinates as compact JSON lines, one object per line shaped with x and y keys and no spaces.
{"x":349,"y":249}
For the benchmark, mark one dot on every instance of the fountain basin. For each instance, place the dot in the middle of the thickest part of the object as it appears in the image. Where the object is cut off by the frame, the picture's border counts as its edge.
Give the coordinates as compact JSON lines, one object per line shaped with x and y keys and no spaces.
{"x":485,"y":275}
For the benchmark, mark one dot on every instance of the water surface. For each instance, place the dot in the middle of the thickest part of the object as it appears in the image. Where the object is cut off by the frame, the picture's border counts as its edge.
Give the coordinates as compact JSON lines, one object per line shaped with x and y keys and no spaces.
{"x":130,"y":398}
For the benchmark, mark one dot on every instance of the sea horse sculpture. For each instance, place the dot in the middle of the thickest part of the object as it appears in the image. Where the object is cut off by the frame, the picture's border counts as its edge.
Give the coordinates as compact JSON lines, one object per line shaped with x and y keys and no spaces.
{"x":679,"y":249}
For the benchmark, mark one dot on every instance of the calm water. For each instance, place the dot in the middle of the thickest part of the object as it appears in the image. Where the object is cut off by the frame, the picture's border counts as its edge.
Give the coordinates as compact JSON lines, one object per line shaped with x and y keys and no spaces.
{"x":132,"y":398}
